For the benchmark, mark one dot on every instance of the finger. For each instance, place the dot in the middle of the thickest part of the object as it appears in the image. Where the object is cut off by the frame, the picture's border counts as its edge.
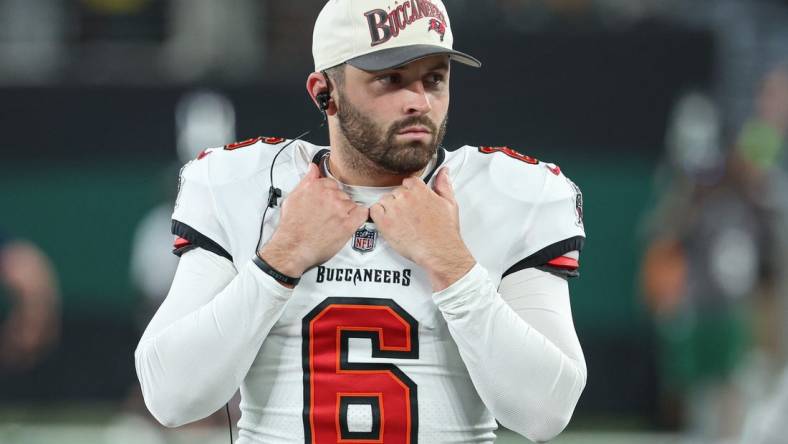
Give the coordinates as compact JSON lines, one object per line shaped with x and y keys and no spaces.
{"x":312,"y":173}
{"x":412,"y":183}
{"x":359,"y":215}
{"x":399,"y":193}
{"x":387,"y":201}
{"x":311,"y":176}
{"x":337,"y":194}
{"x":329,"y":183}
{"x":376,"y":212}
{"x":345,"y":206}
{"x":443,"y":185}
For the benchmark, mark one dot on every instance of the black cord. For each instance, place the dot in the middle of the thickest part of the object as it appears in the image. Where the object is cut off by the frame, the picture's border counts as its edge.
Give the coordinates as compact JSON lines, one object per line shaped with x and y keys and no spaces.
{"x":229,"y":422}
{"x":275,"y":193}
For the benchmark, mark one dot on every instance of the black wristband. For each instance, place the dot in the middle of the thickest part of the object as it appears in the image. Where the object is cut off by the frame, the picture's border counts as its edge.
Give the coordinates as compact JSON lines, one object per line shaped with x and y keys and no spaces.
{"x":273,"y":272}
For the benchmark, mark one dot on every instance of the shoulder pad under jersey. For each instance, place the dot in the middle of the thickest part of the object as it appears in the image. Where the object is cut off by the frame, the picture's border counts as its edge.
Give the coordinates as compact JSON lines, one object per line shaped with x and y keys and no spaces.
{"x":552,"y":206}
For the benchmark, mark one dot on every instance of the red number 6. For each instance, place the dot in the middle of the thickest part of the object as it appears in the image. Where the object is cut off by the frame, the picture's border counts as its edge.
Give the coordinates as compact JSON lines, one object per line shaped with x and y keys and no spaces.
{"x":332,"y":384}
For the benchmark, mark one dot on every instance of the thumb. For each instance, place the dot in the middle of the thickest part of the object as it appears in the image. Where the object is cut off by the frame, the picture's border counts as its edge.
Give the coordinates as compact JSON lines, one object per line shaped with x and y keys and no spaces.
{"x":313,"y":173}
{"x":359,"y":215}
{"x":443,"y":185}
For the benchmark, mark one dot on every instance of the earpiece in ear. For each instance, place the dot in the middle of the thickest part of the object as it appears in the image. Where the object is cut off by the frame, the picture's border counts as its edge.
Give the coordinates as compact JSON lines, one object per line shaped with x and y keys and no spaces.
{"x":322,"y":100}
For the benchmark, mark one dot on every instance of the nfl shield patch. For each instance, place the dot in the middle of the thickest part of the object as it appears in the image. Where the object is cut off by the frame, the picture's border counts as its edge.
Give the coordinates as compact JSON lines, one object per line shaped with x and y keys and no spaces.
{"x":364,"y":239}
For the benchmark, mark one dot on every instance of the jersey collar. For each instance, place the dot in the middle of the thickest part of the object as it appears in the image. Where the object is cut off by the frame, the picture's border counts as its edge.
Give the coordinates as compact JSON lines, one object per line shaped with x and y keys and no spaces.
{"x":320,"y":159}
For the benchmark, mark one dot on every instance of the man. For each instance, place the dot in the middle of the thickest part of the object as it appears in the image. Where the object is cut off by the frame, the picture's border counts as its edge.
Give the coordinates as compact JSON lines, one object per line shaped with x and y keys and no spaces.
{"x":371,"y":306}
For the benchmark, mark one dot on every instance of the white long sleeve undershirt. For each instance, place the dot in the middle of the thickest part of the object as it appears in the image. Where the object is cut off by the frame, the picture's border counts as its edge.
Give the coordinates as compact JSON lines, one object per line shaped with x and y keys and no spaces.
{"x":519,"y":345}
{"x":203,"y":339}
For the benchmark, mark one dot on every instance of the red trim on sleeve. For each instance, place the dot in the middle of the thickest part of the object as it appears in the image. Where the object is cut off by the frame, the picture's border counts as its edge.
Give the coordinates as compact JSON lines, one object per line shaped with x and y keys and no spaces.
{"x":203,"y":153}
{"x":564,"y":262}
{"x":181,"y":242}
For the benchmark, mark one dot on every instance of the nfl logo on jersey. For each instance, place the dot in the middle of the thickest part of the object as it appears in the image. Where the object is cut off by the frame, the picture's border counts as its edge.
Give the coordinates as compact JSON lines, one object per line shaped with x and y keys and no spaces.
{"x":364,"y":239}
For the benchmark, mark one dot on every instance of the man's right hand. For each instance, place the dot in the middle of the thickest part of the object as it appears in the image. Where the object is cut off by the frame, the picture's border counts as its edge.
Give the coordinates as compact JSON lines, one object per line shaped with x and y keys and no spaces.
{"x":317,"y":220}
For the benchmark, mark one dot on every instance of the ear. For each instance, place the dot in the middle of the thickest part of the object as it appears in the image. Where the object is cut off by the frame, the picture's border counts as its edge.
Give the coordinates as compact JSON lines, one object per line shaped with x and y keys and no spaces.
{"x":315,"y":84}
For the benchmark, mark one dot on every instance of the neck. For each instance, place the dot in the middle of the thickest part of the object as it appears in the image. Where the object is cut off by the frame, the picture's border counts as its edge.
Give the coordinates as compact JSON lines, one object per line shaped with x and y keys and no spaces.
{"x":360,"y":171}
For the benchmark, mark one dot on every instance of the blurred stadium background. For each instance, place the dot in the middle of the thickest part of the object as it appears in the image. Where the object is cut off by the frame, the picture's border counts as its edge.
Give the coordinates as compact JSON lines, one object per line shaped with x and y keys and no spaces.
{"x":670,"y":114}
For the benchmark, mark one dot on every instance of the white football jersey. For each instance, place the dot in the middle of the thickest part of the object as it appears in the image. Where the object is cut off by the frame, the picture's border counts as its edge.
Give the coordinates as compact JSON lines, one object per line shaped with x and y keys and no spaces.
{"x":361,"y":352}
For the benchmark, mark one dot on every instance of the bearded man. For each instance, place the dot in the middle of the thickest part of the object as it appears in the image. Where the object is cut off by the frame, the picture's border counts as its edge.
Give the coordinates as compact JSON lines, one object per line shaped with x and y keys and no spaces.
{"x":386,"y":290}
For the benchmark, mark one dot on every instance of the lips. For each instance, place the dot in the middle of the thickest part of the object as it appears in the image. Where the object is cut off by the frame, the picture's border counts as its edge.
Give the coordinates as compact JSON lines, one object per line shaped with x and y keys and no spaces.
{"x":415,"y":130}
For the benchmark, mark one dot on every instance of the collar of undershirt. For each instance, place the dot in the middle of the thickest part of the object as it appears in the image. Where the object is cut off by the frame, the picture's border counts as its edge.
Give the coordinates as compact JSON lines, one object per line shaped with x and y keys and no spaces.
{"x":369,"y":195}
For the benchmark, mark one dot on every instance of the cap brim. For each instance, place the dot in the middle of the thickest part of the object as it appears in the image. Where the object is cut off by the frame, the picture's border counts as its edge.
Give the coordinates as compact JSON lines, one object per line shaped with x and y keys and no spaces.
{"x":396,"y":57}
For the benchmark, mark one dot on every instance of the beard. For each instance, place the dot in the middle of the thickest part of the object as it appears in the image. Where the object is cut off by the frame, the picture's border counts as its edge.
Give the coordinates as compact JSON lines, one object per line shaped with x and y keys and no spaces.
{"x":381,"y":148}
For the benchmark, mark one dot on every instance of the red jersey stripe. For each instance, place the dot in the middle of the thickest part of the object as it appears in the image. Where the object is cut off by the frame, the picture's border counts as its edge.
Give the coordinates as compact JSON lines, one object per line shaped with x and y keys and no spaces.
{"x":564,"y":262}
{"x":181,"y":242}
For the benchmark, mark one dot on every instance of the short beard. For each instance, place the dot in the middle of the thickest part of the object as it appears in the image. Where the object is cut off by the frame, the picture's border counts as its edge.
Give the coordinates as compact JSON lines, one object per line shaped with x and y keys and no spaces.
{"x":382,"y":152}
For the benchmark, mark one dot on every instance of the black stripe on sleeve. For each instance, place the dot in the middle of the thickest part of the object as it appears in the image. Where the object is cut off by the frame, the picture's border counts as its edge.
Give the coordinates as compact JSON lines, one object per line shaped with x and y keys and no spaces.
{"x":548,"y":253}
{"x":560,"y":272}
{"x":181,"y":251}
{"x":197,"y":239}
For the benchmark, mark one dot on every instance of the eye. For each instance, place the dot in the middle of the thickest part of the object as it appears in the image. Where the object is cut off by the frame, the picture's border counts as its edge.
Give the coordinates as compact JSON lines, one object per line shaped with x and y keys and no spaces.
{"x":389,"y":79}
{"x":435,"y":79}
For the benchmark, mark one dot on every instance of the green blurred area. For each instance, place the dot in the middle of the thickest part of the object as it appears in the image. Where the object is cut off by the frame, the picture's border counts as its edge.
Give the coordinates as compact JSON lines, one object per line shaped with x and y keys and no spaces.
{"x":84,"y":218}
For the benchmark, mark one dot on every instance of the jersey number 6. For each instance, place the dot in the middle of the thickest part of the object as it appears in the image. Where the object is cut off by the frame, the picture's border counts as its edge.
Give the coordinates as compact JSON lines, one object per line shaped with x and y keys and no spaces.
{"x":334,"y":386}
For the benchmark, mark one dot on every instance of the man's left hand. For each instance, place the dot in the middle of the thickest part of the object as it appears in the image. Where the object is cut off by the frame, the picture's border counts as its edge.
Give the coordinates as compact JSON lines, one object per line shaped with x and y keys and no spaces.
{"x":423,"y":225}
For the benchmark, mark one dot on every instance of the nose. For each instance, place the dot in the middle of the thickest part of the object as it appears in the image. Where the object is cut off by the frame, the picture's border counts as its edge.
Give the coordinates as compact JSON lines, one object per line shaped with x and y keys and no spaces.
{"x":418,"y":101}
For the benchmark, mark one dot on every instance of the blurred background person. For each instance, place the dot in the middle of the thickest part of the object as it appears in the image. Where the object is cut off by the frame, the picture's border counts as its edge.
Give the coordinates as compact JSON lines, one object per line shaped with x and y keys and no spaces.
{"x":711,"y":271}
{"x":764,"y":139}
{"x":31,"y":326}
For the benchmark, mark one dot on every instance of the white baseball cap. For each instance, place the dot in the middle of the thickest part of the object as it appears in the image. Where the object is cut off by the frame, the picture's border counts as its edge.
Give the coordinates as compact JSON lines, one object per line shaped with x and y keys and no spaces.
{"x":375,"y":35}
